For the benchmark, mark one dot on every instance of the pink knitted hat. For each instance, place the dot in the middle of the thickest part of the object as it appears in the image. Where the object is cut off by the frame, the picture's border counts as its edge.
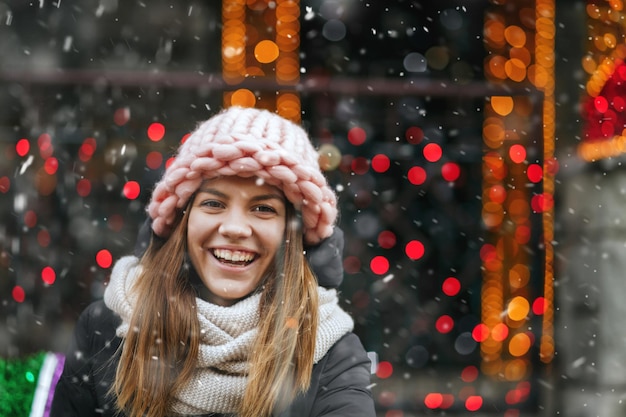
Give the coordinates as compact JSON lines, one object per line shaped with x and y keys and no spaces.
{"x":248,"y":142}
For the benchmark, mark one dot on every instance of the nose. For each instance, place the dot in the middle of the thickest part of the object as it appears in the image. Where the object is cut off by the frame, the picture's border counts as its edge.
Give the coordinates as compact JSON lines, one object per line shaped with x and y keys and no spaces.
{"x":234,"y":229}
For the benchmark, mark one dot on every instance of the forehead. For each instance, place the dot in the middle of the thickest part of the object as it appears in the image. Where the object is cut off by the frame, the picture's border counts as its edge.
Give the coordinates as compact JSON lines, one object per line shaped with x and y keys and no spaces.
{"x":235,"y":185}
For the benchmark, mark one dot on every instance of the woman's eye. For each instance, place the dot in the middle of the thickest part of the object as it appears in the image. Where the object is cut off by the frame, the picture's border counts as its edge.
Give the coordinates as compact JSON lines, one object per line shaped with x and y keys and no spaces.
{"x":212,"y":204}
{"x":264,"y":209}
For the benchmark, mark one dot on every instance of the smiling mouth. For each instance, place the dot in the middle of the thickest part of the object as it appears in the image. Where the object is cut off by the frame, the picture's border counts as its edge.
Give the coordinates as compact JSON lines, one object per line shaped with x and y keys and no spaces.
{"x":234,"y":257}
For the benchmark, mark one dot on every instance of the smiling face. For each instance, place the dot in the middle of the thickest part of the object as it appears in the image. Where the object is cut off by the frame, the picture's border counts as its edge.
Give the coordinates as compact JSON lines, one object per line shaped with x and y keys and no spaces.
{"x":235,"y":228}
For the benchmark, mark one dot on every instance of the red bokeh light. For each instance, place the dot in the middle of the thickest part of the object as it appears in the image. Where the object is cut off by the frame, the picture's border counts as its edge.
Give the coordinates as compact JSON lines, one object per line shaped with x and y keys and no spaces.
{"x":469,"y":373}
{"x":444,"y":324}
{"x":386,"y":239}
{"x":432,"y":152}
{"x":433,"y":400}
{"x":357,"y":136}
{"x":48,"y":275}
{"x":18,"y":294}
{"x":359,"y":165}
{"x":22,"y":147}
{"x":517,"y":153}
{"x":601,"y":104}
{"x":474,"y":402}
{"x":104,"y":259}
{"x":379,"y":265}
{"x":539,"y":306}
{"x":480,"y":333}
{"x":131,"y":190}
{"x":44,"y":141}
{"x":488,"y":252}
{"x":384,"y":370}
{"x":450,"y":171}
{"x":542,"y":202}
{"x":87,"y":149}
{"x":414,"y":135}
{"x":43,"y":238}
{"x":156,"y":131}
{"x":380,"y":163}
{"x":51,"y":165}
{"x":154,"y":159}
{"x":417,"y":175}
{"x":534,"y":173}
{"x":30,"y":218}
{"x":414,"y":250}
{"x":5,"y":184}
{"x":451,"y":286}
{"x":121,"y":116}
{"x":83,"y":187}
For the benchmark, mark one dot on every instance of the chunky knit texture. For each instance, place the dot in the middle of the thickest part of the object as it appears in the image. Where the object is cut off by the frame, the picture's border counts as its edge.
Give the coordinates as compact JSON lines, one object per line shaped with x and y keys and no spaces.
{"x":220,"y":377}
{"x":248,"y":142}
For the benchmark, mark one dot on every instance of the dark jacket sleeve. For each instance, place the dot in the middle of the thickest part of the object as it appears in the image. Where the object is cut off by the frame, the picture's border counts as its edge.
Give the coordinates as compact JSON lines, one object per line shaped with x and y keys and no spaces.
{"x":82,"y":387}
{"x":343,"y":385}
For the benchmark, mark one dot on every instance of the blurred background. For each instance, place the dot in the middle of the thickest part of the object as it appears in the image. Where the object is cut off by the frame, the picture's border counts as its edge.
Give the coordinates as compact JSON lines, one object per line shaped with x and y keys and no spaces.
{"x":476,"y":148}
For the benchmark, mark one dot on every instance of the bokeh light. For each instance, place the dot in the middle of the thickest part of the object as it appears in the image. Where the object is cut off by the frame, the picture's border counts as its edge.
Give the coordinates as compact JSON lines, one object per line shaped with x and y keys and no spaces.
{"x":83,"y":187}
{"x":156,"y":131}
{"x":518,"y":308}
{"x":51,"y":165}
{"x":417,"y":175}
{"x":104,"y":259}
{"x":414,"y":135}
{"x":384,"y":370}
{"x":469,"y":373}
{"x":414,"y":250}
{"x":380,"y":163}
{"x":451,"y":286}
{"x":131,"y":190}
{"x":87,"y":149}
{"x":450,"y":171}
{"x":444,"y":324}
{"x":48,"y":275}
{"x":154,"y":159}
{"x":18,"y":294}
{"x":433,"y":152}
{"x":22,"y":147}
{"x":433,"y":400}
{"x":266,"y":51}
{"x":500,"y":332}
{"x":480,"y":332}
{"x":517,"y":153}
{"x":386,"y":239}
{"x":357,"y":135}
{"x":379,"y":265}
{"x":474,"y":403}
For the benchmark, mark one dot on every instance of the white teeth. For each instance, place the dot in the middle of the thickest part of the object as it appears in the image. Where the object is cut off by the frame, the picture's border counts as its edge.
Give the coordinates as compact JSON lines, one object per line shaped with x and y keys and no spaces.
{"x":233,"y":256}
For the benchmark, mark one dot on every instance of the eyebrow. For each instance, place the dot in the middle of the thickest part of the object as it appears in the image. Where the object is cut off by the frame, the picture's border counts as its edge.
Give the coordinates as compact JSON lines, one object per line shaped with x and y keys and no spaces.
{"x":260,"y":197}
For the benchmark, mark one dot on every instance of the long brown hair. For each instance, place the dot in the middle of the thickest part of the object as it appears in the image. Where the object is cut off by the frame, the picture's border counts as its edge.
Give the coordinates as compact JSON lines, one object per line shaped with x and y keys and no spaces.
{"x":160,"y":351}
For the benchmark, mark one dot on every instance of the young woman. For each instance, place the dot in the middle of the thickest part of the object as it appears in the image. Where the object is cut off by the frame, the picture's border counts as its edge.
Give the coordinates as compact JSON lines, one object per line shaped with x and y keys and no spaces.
{"x":222,"y":314}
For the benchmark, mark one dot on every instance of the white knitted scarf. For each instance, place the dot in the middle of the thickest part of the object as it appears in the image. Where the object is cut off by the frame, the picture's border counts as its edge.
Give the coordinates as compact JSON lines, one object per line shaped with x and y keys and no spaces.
{"x":227,"y":334}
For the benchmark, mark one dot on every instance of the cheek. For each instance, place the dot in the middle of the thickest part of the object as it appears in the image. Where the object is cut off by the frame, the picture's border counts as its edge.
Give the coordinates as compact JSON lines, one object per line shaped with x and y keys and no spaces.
{"x":275,"y":236}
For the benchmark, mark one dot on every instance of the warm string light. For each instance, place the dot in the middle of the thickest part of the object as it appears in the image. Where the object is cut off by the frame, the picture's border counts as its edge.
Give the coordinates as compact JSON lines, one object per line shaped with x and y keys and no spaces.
{"x":544,"y":41}
{"x":521,"y":50}
{"x":604,"y":62}
{"x":250,"y":50}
